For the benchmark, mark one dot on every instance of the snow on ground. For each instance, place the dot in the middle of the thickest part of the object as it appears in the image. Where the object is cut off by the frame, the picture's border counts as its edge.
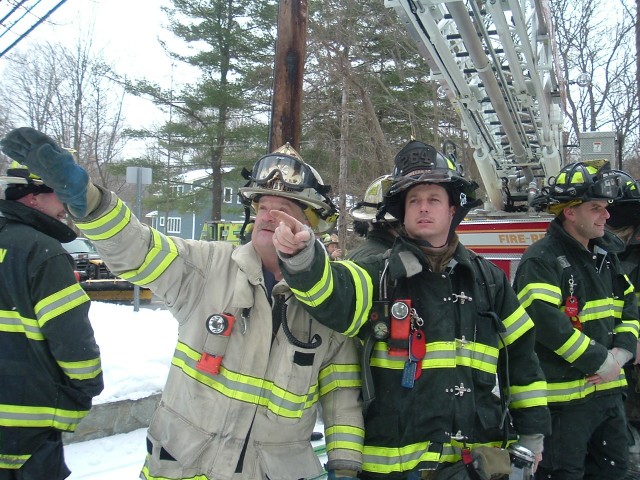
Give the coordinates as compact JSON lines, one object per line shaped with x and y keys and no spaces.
{"x":136,"y":349}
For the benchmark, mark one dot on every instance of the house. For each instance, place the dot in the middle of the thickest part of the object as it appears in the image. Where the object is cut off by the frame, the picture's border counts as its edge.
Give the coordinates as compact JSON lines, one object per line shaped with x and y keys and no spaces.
{"x":190,"y":208}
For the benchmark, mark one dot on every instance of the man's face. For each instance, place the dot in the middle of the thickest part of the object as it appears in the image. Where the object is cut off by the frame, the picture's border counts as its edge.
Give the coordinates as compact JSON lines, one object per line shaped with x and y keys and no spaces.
{"x":427,"y":213}
{"x":47,"y":203}
{"x":332,"y":247}
{"x":586,"y":221}
{"x":265,"y":224}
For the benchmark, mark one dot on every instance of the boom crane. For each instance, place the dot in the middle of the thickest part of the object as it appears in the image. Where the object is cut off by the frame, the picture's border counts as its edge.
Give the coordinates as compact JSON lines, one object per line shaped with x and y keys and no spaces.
{"x":496,"y":62}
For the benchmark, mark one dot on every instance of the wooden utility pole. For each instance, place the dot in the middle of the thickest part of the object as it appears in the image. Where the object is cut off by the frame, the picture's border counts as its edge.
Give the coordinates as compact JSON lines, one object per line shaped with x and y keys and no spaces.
{"x":288,"y":75}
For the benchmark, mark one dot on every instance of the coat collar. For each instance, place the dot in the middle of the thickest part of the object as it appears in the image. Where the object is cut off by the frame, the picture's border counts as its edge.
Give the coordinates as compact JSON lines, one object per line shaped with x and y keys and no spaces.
{"x":52,"y":227}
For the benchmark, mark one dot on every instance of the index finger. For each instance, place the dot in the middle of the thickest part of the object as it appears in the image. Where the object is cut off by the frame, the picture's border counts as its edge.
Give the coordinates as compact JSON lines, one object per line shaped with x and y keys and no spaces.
{"x":287,"y":219}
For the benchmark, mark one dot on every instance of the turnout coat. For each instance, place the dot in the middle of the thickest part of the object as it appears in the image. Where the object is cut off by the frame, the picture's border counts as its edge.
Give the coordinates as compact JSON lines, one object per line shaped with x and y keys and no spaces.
{"x":259,"y":408}
{"x":49,"y":361}
{"x":455,"y":400}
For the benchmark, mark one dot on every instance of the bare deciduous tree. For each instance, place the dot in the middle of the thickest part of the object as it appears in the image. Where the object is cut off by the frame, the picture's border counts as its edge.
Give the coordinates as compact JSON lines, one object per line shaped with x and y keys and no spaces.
{"x":67,"y":93}
{"x":595,"y":39}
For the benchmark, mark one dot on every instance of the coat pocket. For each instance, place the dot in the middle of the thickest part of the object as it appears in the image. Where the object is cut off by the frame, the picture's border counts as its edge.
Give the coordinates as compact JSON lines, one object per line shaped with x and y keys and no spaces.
{"x":182,"y":441}
{"x":294,"y":374}
{"x":289,"y":461}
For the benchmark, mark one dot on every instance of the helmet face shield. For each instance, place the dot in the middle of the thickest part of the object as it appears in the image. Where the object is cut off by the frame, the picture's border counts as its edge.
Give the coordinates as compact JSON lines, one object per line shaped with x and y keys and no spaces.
{"x":283,"y":173}
{"x":607,"y":187}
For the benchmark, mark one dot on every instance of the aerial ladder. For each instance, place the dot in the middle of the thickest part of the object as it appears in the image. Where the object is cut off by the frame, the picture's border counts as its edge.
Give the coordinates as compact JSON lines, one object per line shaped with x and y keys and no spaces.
{"x":496,"y":62}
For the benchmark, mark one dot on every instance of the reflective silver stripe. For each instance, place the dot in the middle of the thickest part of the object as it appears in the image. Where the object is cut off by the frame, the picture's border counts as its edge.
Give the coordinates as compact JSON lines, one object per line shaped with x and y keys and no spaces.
{"x":249,"y":389}
{"x":82,"y":369}
{"x":21,"y":416}
{"x":344,"y":436}
{"x":108,"y":224}
{"x":543,"y":292}
{"x":14,"y":323}
{"x":162,"y":253}
{"x":363,"y":290}
{"x":60,"y":302}
{"x":516,"y":328}
{"x":339,"y":376}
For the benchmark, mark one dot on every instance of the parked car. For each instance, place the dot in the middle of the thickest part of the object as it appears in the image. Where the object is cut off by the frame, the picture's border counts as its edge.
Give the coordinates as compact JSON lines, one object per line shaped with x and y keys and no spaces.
{"x":86,"y":260}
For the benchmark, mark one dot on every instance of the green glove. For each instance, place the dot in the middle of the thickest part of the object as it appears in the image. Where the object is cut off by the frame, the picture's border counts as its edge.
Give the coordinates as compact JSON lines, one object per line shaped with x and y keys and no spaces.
{"x":56,"y":166}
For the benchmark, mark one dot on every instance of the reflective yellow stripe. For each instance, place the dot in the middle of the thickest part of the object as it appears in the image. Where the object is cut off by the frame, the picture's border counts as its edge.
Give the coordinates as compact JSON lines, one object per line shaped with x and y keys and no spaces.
{"x":107,"y":225}
{"x":627,"y":326}
{"x":60,"y":302}
{"x":517,"y":324}
{"x":161,"y":254}
{"x":26,"y":416}
{"x":363,"y":288}
{"x":630,"y":286}
{"x":598,"y":310}
{"x":81,"y":370}
{"x":145,"y":473}
{"x":532,"y":395}
{"x":386,"y":460}
{"x":12,"y":322}
{"x":339,"y":376}
{"x":540,"y":291}
{"x":575,"y":346}
{"x":245,"y":388}
{"x":561,"y":392}
{"x":13,"y":462}
{"x":442,"y":355}
{"x":320,"y":291}
{"x":344,"y":436}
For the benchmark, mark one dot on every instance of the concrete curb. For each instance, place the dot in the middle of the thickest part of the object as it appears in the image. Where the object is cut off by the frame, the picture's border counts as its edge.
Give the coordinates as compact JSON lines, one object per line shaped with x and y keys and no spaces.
{"x":113,"y":418}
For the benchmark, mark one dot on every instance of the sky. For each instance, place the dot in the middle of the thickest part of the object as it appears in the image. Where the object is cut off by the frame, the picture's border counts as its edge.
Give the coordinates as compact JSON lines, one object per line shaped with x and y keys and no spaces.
{"x":127,"y":34}
{"x":136,"y":350}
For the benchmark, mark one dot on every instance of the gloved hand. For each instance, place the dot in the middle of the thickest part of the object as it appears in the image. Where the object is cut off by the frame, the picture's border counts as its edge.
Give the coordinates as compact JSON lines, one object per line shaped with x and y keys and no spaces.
{"x":56,"y":166}
{"x":535,"y":443}
{"x":608,"y":371}
{"x":621,"y":355}
{"x":342,"y":474}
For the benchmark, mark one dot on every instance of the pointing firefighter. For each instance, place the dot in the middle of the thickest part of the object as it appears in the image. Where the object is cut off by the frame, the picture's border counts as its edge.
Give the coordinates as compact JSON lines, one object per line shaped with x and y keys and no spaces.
{"x":250,"y":366}
{"x":584,"y":307}
{"x":448,"y":351}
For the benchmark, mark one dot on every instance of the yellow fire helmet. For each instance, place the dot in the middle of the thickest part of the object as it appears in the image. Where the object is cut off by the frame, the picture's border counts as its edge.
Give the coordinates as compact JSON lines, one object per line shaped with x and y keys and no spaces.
{"x":19,"y":181}
{"x":284,"y":173}
{"x":367,"y":209}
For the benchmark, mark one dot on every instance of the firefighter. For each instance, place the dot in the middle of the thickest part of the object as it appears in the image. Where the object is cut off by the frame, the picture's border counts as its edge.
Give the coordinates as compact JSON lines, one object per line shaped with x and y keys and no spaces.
{"x":624,"y":221}
{"x":332,"y":244}
{"x":250,"y":366}
{"x":448,"y":350}
{"x":584,"y":307}
{"x":49,"y":361}
{"x":380,"y":233}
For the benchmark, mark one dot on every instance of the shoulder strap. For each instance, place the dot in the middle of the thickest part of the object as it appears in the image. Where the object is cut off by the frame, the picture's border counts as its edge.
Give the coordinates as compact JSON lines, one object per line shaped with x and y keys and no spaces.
{"x":487,"y":279}
{"x":368,"y":388}
{"x":502,"y":373}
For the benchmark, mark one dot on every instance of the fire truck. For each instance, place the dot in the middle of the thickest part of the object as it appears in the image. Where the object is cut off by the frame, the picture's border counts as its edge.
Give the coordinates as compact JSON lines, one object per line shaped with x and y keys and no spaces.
{"x":496,"y":62}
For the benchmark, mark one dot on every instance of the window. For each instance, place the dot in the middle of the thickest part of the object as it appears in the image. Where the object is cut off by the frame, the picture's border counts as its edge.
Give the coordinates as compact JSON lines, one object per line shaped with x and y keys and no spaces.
{"x":161,"y":223}
{"x":227,"y":196}
{"x":174,"y":224}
